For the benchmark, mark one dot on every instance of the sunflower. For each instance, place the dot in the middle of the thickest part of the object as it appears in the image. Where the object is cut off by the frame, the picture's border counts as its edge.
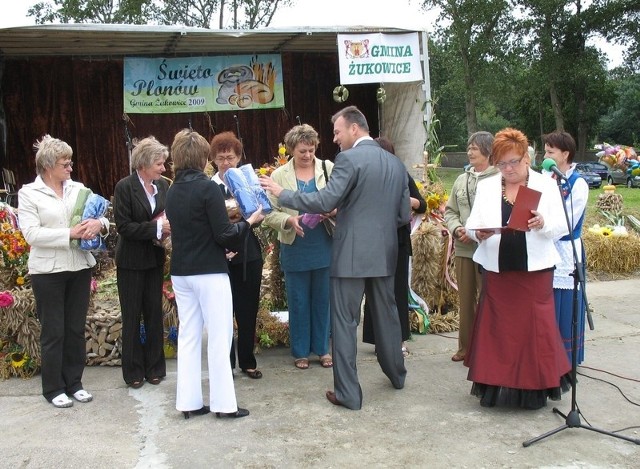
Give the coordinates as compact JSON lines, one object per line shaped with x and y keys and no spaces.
{"x":18,"y":359}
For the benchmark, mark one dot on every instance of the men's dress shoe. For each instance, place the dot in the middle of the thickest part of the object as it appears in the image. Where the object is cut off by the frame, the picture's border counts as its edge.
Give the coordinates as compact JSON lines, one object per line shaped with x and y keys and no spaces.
{"x":82,"y":396}
{"x":331,"y":397}
{"x":155,"y":380}
{"x":136,"y":384}
{"x":202,"y":411}
{"x":61,"y":401}
{"x":233,"y":415}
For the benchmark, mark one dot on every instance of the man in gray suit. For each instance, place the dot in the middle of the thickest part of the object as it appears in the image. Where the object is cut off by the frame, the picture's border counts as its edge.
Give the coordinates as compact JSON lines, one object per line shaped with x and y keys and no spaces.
{"x":369,"y":188}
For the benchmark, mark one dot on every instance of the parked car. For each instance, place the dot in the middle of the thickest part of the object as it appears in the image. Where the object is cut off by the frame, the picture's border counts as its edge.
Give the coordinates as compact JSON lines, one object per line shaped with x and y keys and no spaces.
{"x":600,"y":169}
{"x":618,"y":176}
{"x":593,"y":179}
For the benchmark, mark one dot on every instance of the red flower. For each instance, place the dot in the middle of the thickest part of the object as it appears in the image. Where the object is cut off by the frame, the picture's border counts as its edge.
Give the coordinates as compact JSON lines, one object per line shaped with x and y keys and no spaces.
{"x":6,"y":299}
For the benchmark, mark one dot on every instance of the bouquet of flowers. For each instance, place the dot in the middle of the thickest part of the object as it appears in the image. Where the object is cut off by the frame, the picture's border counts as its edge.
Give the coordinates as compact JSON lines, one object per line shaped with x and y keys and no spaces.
{"x":280,"y":160}
{"x":14,"y":250}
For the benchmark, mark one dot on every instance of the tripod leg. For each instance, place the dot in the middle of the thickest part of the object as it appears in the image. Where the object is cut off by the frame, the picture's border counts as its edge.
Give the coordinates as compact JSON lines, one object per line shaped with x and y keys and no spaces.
{"x":540,"y":437}
{"x":615,"y":435}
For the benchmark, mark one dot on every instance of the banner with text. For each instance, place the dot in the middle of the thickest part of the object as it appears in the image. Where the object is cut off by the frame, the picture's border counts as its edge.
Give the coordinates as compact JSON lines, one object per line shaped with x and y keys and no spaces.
{"x":199,"y":84}
{"x":374,"y":58}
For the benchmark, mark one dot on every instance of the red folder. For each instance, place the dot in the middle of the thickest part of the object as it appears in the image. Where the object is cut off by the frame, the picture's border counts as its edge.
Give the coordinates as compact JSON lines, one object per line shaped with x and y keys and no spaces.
{"x":527,"y":199}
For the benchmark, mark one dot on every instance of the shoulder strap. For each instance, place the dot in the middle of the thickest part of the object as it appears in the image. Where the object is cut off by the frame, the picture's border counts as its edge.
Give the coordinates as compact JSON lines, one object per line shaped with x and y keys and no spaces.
{"x":324,"y":169}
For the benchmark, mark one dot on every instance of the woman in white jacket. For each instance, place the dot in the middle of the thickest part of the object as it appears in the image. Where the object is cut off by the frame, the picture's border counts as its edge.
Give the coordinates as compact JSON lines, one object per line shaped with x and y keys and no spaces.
{"x":516,"y":356}
{"x":60,"y":271}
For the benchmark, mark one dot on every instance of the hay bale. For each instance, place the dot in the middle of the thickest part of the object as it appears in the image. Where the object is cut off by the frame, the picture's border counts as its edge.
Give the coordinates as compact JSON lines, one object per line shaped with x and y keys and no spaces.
{"x":612,"y":254}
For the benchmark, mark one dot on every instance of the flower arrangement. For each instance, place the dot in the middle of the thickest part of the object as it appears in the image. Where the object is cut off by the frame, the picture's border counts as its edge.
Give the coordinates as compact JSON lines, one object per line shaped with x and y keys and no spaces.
{"x":279,"y":160}
{"x":619,"y":157}
{"x":607,"y":231}
{"x":14,"y":250}
{"x":436,"y":198}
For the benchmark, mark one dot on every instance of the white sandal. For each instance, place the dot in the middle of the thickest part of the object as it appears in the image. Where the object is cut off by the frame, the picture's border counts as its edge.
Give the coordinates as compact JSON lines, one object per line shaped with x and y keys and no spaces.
{"x":61,"y":401}
{"x":82,"y":396}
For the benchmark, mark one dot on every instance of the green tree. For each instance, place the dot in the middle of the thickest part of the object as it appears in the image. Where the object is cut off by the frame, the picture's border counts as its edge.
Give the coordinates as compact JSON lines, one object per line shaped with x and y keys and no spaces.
{"x":245,"y":14}
{"x":573,"y":74}
{"x":476,"y":30}
{"x":92,"y":11}
{"x":620,"y":123}
{"x":619,"y":23}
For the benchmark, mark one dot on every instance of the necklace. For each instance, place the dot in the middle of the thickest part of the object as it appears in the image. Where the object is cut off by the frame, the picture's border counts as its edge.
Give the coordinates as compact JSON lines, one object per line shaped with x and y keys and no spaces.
{"x":504,"y":190}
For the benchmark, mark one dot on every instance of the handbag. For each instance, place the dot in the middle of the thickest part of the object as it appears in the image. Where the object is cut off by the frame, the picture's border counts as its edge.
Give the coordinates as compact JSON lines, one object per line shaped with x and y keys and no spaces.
{"x":329,"y":222}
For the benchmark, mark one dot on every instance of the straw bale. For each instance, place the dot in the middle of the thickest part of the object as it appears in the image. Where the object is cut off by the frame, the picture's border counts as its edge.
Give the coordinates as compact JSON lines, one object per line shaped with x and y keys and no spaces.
{"x":612,"y":254}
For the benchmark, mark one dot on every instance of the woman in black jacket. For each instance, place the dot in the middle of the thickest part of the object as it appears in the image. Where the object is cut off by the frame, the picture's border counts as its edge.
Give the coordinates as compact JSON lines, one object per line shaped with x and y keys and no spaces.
{"x":245,"y":262}
{"x":200,"y":233}
{"x":139,"y":215}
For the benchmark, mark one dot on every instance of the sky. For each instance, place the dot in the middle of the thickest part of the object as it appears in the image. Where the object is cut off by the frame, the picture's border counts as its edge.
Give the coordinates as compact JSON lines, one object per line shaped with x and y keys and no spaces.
{"x":403,"y":14}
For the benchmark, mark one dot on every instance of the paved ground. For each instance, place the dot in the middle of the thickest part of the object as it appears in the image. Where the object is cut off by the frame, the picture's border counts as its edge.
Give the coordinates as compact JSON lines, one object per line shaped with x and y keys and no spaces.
{"x":433,"y":422}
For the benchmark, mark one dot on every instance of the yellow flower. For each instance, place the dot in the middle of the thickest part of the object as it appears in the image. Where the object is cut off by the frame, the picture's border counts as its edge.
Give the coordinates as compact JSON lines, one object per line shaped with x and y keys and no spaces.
{"x":20,"y":280}
{"x":18,"y":359}
{"x":282,"y":151}
{"x":606,"y":231}
{"x":262,"y":171}
{"x":419,"y":186}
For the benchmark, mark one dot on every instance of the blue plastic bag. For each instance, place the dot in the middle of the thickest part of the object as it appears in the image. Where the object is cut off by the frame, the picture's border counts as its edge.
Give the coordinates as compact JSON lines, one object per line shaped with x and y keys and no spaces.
{"x":95,"y":207}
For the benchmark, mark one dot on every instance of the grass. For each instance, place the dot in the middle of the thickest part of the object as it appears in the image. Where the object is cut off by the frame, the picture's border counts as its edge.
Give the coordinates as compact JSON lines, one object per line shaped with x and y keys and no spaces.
{"x":631,"y":198}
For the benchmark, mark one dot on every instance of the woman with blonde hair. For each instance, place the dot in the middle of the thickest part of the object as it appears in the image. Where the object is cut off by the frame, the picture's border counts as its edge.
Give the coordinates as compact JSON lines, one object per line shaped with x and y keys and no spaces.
{"x":60,"y":271}
{"x":305,"y":249}
{"x":138,"y":210}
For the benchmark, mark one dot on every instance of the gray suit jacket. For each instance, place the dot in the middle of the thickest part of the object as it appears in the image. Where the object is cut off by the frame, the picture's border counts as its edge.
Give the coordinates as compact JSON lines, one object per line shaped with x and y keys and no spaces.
{"x":369,"y":188}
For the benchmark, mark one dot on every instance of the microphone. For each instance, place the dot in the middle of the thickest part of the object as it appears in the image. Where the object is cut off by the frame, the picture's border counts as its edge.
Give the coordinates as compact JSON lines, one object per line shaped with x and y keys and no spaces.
{"x":549,"y":165}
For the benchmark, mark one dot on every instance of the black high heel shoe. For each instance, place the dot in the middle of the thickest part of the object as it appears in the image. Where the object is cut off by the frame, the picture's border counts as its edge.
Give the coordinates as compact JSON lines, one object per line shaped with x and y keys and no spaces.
{"x":233,"y":415}
{"x":203,"y":411}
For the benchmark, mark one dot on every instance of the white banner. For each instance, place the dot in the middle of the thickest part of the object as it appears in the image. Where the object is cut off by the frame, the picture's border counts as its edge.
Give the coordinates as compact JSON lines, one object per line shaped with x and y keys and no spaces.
{"x":375,"y":58}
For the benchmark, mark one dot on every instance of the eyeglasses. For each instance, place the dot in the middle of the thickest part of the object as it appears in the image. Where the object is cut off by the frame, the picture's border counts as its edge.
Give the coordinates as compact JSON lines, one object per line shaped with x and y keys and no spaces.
{"x":228,"y":159}
{"x":505,"y":164}
{"x":68,"y":164}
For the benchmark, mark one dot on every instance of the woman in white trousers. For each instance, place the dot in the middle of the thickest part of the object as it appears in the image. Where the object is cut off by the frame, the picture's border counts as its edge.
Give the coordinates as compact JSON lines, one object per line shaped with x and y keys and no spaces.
{"x":200,"y":235}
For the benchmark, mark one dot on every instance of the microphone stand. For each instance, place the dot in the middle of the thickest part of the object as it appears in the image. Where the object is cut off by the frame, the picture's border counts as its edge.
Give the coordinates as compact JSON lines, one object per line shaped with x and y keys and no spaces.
{"x":572,"y":419}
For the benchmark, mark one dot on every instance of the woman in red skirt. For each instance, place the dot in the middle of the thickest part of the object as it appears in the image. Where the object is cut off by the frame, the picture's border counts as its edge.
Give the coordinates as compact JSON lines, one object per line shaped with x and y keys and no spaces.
{"x":516,"y":355}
